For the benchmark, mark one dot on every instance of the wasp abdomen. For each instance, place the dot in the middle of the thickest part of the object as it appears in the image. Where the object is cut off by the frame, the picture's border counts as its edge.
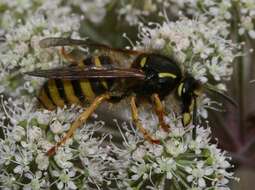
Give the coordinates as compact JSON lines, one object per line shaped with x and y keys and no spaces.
{"x":60,"y":92}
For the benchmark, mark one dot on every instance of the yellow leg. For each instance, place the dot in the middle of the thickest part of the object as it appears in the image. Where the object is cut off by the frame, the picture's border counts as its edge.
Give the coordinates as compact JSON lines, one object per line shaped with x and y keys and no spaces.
{"x":78,"y":122}
{"x":138,"y":124}
{"x":70,"y":58}
{"x":159,"y":109}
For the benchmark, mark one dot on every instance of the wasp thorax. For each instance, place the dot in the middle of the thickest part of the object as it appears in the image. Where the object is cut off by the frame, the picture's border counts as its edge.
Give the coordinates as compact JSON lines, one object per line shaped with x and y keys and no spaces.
{"x":162,"y":74}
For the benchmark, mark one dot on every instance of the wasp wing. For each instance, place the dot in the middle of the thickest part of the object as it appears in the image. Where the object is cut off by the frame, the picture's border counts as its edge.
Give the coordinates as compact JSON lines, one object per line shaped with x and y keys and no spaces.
{"x":76,"y":73}
{"x":58,"y":41}
{"x":213,"y":89}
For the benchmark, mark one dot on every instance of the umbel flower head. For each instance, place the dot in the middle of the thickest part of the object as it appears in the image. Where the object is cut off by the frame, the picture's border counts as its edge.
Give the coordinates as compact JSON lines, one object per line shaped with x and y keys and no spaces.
{"x":24,"y":24}
{"x":178,"y":162}
{"x":83,"y":163}
{"x":90,"y":160}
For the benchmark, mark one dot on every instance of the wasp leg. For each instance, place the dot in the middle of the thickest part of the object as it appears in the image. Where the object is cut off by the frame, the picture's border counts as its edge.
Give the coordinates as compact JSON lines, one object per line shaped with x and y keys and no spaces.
{"x":79,"y":121}
{"x":159,"y":109}
{"x":70,"y":58}
{"x":194,"y":131}
{"x":138,"y":124}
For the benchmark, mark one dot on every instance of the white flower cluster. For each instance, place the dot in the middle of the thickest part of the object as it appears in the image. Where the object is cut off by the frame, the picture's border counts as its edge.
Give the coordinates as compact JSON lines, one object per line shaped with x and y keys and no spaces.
{"x":197,"y":46}
{"x":226,"y":11}
{"x":247,"y":17}
{"x":90,"y":160}
{"x":83,"y":163}
{"x":86,"y":161}
{"x":240,"y":12}
{"x":20,"y":51}
{"x":135,"y":11}
{"x":94,"y":10}
{"x":132,"y":12}
{"x":179,"y":162}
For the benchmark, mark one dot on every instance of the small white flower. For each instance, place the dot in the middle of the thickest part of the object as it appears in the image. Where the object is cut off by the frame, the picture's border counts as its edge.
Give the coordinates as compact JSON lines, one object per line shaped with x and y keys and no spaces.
{"x":8,"y":181}
{"x":95,"y":11}
{"x":42,"y":161}
{"x":175,"y":147}
{"x":34,"y":133}
{"x":36,"y":183}
{"x":252,"y":34}
{"x":165,"y":165}
{"x":63,"y":158}
{"x":140,"y":169}
{"x":23,"y":160}
{"x":17,"y":133}
{"x":65,"y":179}
{"x":138,"y":154}
{"x":56,"y":127}
{"x":197,"y":174}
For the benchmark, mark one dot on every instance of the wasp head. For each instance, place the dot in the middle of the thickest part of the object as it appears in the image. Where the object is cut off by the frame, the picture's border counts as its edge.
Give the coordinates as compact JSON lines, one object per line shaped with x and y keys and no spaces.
{"x":188,"y":90}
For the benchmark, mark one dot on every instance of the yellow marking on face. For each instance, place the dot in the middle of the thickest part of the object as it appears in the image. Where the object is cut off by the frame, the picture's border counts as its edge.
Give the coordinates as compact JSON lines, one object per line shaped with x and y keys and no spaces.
{"x":143,"y":61}
{"x":69,"y":91}
{"x":186,"y":118}
{"x":98,"y":64}
{"x":87,"y":89}
{"x":180,"y":89}
{"x":55,"y":94}
{"x":45,"y":100}
{"x":163,"y":75}
{"x":191,"y":106}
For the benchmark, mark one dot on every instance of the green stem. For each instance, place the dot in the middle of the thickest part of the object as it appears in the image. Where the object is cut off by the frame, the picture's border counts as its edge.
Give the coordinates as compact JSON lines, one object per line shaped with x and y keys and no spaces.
{"x":240,"y":73}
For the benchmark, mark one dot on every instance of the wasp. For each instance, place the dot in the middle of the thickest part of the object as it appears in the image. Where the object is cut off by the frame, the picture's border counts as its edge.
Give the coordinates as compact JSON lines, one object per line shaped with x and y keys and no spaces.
{"x":99,"y":78}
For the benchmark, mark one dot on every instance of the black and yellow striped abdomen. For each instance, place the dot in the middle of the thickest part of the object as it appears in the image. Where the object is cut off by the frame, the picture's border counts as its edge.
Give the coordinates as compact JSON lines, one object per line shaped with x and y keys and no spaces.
{"x":59,"y":92}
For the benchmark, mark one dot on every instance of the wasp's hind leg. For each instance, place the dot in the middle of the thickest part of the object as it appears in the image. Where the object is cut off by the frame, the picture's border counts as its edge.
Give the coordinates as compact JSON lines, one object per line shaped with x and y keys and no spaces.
{"x":160,"y":111}
{"x":70,"y":58}
{"x":82,"y":118}
{"x":138,"y":123}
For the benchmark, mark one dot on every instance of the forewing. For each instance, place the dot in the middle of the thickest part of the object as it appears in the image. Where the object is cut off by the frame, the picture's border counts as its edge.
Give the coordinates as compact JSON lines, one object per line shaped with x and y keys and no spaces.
{"x":58,"y":41}
{"x":76,"y":73}
{"x":211,"y":88}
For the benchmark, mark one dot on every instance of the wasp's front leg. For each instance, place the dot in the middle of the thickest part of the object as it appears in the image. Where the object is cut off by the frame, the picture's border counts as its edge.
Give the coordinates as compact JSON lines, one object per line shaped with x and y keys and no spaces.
{"x":160,"y":111}
{"x":82,"y":118}
{"x":194,"y":132}
{"x":138,"y":123}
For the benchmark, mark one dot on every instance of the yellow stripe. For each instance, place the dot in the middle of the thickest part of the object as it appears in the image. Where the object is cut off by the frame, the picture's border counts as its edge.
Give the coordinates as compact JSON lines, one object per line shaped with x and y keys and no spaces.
{"x":162,"y":75}
{"x":143,"y":61}
{"x":97,"y":61}
{"x":98,"y":64}
{"x":70,"y":95}
{"x":54,"y":93}
{"x":81,"y":64}
{"x":87,"y":89}
{"x":180,"y":89}
{"x":186,"y":118}
{"x":45,"y":100}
